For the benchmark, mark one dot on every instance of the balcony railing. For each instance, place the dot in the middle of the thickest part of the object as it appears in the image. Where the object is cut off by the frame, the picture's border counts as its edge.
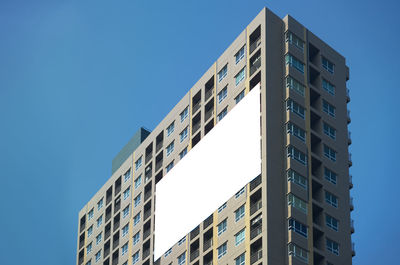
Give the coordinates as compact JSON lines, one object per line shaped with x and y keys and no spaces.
{"x":116,"y":225}
{"x":255,"y":231}
{"x":194,"y":233}
{"x":158,"y":165}
{"x":146,"y":214}
{"x":146,"y":253}
{"x":255,"y":66}
{"x":159,"y":146}
{"x":207,"y":244}
{"x":106,"y":252}
{"x":146,"y":234}
{"x":256,"y":256}
{"x":107,"y":234}
{"x":147,"y":195}
{"x":255,"y":44}
{"x":194,"y":255}
{"x":148,"y":157}
{"x":196,"y":127}
{"x":255,"y":207}
{"x":255,"y":182}
{"x":208,"y":94}
{"x":196,"y":107}
{"x":208,"y":221}
{"x":208,"y":114}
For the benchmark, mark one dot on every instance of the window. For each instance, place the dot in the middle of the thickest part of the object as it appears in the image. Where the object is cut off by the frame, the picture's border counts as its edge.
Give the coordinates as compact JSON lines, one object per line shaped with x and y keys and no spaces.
{"x":89,"y":248}
{"x":330,"y":131}
{"x":332,"y":222}
{"x":298,"y":252}
{"x":239,"y":55}
{"x":328,"y":87}
{"x":170,"y":128}
{"x":169,"y":251}
{"x":138,"y":181}
{"x":297,"y":155}
{"x":135,"y":257}
{"x":136,"y":219}
{"x":222,"y":94}
{"x":138,"y":163}
{"x":295,"y":85}
{"x":136,"y":238}
{"x":89,"y":262}
{"x":127,"y":175}
{"x":183,"y":135}
{"x":296,"y":131}
{"x":222,"y":227}
{"x":170,"y":148}
{"x":331,"y":199}
{"x":136,"y":200}
{"x":329,"y":153}
{"x":98,"y":239}
{"x":239,"y":97}
{"x":240,"y":76}
{"x":125,"y":230}
{"x":90,"y":214}
{"x":223,"y":73}
{"x":240,"y":192}
{"x":125,"y":212}
{"x":90,"y":231}
{"x":297,"y":227}
{"x":99,"y":221}
{"x":183,"y":153}
{"x":293,"y":106}
{"x":240,"y":260}
{"x":124,"y":249}
{"x":222,"y":114}
{"x":239,"y":213}
{"x":222,"y":207}
{"x":328,"y":108}
{"x":170,"y":166}
{"x":293,"y":39}
{"x":127,"y":192}
{"x":222,"y":250}
{"x":294,"y":62}
{"x":297,"y":203}
{"x":330,"y":176}
{"x":332,"y":246}
{"x":180,"y":242}
{"x":184,"y":114}
{"x":98,"y":256}
{"x":239,"y":237}
{"x":182,"y":259}
{"x":329,"y":66}
{"x":100,"y":204}
{"x":295,"y":177}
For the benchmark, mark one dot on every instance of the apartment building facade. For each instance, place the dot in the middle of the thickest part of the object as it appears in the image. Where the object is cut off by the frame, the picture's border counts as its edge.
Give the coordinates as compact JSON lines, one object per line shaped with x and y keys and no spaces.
{"x":295,"y":211}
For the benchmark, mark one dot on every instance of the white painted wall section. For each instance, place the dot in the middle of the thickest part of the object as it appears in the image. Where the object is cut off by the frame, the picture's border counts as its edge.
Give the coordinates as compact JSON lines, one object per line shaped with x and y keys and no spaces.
{"x":224,"y":161}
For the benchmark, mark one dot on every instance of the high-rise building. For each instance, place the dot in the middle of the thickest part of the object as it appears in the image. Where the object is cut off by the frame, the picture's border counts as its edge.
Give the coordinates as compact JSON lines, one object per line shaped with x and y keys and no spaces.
{"x":294,"y":205}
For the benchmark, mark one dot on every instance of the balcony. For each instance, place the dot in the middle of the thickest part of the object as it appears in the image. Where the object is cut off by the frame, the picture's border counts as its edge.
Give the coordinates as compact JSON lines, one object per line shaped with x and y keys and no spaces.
{"x":255,"y":207}
{"x":256,"y":256}
{"x":194,"y":233}
{"x":195,"y":128}
{"x":207,"y":244}
{"x":255,"y":182}
{"x":255,"y":231}
{"x":146,"y":214}
{"x":159,"y":141}
{"x":194,"y":254}
{"x":255,"y":62}
{"x":196,"y":107}
{"x":146,"y":233}
{"x":208,"y":222}
{"x":208,"y":114}
{"x":146,"y":253}
{"x":208,"y":94}
{"x":147,"y":194}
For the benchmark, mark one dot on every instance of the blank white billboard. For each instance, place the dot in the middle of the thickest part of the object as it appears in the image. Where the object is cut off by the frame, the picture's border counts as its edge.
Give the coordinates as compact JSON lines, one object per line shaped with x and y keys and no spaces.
{"x":224,"y":161}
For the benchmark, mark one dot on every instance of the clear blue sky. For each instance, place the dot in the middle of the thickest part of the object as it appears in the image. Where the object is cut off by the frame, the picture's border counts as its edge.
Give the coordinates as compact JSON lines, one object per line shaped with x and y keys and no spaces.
{"x":78,"y":78}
